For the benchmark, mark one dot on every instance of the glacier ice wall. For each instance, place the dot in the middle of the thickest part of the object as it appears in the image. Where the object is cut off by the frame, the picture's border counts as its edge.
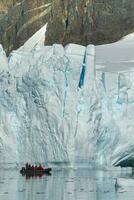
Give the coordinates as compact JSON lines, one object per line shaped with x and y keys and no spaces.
{"x":115,"y":83}
{"x":117,"y":105}
{"x":45,"y":116}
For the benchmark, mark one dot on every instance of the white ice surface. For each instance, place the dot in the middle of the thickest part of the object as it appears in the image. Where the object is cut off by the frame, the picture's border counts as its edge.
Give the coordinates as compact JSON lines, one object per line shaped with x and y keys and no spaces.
{"x":3,"y":60}
{"x":44,"y":115}
{"x":115,"y":83}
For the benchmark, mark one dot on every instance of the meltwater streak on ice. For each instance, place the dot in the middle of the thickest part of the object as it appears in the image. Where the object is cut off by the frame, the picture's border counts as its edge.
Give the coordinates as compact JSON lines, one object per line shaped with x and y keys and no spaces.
{"x":83,"y":71}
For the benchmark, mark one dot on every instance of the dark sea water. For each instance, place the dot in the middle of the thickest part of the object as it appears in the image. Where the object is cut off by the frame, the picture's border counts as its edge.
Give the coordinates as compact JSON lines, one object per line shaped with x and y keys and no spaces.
{"x":64,"y":184}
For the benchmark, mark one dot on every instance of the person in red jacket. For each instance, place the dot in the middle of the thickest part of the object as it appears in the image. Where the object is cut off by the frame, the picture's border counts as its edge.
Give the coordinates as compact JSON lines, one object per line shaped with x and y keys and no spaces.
{"x":32,"y":168}
{"x":40,"y":167}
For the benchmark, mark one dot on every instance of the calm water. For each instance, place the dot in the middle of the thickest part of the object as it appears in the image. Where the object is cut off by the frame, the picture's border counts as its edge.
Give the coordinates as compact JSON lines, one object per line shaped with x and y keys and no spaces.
{"x":63,"y":185}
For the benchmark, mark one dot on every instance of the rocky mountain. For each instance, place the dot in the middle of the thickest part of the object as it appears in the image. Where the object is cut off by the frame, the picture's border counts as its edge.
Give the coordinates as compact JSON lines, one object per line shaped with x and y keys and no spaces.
{"x":20,"y":19}
{"x":83,"y":22}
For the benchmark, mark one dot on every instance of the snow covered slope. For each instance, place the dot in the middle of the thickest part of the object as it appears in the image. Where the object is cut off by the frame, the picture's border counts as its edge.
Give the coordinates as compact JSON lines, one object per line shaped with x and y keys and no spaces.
{"x":46,"y":117}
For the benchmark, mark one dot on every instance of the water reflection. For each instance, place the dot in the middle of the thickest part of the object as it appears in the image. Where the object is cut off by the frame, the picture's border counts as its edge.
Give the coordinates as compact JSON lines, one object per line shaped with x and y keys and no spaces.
{"x":32,"y":175}
{"x":62,"y":185}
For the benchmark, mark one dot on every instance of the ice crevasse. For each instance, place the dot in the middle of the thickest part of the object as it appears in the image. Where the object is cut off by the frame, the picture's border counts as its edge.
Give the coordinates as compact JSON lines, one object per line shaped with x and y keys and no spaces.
{"x":47,"y":115}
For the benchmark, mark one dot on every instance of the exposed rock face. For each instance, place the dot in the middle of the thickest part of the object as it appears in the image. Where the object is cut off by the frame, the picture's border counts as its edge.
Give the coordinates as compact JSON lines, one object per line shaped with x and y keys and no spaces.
{"x":83,"y":22}
{"x":20,"y":19}
{"x":90,"y":21}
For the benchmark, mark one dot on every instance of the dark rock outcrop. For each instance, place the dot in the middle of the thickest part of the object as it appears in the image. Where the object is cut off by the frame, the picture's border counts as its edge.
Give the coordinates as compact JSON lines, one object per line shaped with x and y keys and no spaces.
{"x":83,"y":22}
{"x":90,"y":21}
{"x":20,"y":19}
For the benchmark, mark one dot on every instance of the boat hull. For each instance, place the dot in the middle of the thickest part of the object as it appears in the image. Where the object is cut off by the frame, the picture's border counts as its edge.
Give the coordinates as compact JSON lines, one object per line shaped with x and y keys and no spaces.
{"x":36,"y":172}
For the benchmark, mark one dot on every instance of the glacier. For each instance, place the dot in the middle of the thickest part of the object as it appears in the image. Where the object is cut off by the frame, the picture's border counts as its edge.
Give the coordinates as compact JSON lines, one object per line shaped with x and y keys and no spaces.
{"x":114,"y":75}
{"x":46,"y":117}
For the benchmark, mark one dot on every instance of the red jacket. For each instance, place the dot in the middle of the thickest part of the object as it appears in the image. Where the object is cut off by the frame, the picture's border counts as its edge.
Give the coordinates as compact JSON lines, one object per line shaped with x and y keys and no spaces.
{"x":40,"y":167}
{"x":32,"y":168}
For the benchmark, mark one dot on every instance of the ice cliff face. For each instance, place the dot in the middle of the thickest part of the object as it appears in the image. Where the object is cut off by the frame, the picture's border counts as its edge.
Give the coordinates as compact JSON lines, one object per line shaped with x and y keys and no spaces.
{"x":114,"y":75}
{"x":46,"y":117}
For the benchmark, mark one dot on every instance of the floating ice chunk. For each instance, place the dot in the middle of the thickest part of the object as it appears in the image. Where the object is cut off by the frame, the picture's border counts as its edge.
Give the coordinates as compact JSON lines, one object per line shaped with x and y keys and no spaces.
{"x":125,"y":182}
